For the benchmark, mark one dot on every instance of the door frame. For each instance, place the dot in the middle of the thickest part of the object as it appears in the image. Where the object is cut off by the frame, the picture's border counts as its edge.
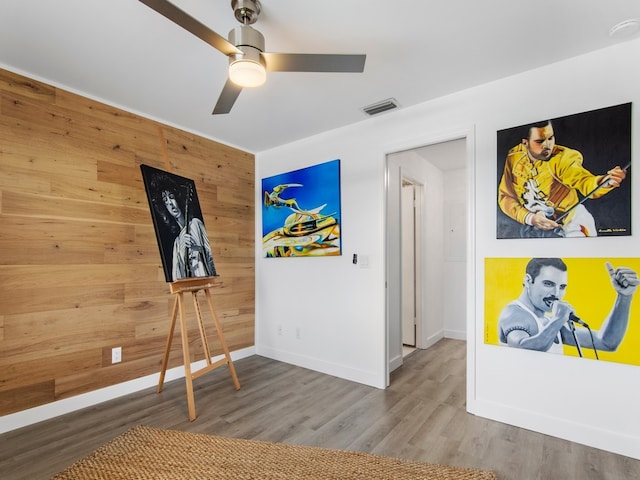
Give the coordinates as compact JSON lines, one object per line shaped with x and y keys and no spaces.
{"x":468,"y":134}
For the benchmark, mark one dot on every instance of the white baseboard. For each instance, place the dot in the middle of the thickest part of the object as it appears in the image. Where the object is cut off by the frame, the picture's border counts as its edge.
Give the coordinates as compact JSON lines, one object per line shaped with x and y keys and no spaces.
{"x":395,"y":363}
{"x":337,"y":370}
{"x":583,"y":433}
{"x":432,"y":340}
{"x":67,"y":405}
{"x":455,"y":334}
{"x":439,"y":335}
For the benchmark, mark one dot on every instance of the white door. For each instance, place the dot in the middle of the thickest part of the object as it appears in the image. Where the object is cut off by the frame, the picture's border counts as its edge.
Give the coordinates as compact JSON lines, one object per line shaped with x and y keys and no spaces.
{"x":408,"y":254}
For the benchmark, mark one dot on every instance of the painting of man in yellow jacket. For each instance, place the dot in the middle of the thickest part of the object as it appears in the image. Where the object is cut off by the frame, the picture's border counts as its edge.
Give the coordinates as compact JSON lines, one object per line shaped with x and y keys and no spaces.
{"x":545,"y":189}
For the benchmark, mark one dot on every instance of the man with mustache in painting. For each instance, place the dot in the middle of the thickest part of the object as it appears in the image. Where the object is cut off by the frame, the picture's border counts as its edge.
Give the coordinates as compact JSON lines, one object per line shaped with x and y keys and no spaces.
{"x":540,"y":320}
{"x":541,"y":181}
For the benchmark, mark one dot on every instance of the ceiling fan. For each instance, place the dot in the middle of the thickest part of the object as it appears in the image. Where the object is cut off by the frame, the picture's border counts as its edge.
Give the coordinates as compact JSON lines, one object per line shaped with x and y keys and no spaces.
{"x":248,"y":62}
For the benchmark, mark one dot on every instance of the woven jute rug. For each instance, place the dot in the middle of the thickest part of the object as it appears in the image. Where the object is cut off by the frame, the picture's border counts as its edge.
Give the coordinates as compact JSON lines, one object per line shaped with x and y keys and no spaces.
{"x":150,"y":453}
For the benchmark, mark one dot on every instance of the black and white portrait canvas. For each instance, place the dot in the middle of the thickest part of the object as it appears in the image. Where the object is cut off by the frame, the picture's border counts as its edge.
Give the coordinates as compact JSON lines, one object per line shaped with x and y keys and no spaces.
{"x":179,"y":227}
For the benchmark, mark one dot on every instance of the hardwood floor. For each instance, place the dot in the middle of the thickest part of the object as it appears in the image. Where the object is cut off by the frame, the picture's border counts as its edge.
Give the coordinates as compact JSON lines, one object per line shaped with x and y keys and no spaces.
{"x":421,"y":416}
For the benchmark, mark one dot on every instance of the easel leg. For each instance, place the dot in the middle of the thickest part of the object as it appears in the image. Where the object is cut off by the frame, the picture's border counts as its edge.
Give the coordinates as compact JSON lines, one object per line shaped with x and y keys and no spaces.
{"x":167,"y":348}
{"x":187,"y":359}
{"x":203,"y":333}
{"x":223,"y":342}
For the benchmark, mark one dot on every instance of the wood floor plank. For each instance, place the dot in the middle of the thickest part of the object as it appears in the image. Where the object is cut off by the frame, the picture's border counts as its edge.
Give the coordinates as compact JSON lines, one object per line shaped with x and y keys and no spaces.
{"x":421,"y":416}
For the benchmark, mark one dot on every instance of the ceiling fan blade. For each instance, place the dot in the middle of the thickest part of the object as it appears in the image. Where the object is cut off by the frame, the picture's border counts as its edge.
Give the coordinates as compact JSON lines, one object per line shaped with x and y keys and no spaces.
{"x":313,"y":62}
{"x":227,"y":98}
{"x":173,"y":13}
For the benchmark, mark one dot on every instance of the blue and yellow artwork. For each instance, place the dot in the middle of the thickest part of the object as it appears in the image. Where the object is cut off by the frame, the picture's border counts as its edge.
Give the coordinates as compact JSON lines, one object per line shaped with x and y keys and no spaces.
{"x":301,"y":212}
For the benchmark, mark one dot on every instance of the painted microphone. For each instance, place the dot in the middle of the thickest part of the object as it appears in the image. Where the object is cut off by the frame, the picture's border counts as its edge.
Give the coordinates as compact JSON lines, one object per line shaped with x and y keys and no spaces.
{"x":575,"y":319}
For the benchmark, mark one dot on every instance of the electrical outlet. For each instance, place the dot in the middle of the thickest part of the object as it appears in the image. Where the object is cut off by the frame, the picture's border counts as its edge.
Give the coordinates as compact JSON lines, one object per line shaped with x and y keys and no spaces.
{"x":280,"y":330}
{"x":298,"y":333}
{"x":116,"y":355}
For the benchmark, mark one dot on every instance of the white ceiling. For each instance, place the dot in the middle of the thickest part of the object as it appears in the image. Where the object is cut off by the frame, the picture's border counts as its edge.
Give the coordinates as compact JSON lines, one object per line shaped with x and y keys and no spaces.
{"x":125,"y":54}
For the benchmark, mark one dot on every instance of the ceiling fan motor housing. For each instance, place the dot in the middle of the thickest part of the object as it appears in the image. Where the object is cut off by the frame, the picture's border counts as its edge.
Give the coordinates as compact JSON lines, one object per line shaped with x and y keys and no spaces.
{"x":250,"y":41}
{"x":245,"y":36}
{"x":246,"y":11}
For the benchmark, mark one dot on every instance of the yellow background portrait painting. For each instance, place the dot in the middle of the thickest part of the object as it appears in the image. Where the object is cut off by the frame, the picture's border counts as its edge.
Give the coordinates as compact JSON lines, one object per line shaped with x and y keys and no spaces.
{"x":589,"y":291}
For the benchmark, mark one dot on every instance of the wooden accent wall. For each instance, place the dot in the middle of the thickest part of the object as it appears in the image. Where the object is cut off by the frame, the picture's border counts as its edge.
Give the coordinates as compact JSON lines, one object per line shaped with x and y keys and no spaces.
{"x":80,"y":269}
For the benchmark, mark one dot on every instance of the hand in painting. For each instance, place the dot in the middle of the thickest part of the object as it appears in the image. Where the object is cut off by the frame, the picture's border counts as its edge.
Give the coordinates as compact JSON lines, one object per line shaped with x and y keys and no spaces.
{"x":623,"y":279}
{"x":539,"y":220}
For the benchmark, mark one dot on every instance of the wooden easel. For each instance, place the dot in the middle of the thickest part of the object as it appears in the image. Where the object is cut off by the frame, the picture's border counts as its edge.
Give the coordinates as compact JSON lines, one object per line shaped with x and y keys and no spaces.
{"x":194,"y":285}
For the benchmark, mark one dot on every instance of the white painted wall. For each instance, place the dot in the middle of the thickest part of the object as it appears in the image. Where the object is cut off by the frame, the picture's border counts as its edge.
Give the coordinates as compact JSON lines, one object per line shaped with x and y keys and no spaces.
{"x":455,"y":254}
{"x":337,"y":306}
{"x":340,"y":307}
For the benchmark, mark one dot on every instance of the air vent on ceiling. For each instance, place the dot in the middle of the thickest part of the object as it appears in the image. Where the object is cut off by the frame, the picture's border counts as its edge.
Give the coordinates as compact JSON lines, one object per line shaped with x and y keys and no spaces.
{"x":383,"y":106}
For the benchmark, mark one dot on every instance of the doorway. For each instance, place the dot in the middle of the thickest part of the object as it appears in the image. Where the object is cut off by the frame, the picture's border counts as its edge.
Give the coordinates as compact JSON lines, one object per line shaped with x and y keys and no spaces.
{"x":439,"y":172}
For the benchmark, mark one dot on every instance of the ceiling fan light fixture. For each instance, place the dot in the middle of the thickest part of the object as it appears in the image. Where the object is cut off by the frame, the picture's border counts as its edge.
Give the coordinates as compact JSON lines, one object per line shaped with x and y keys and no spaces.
{"x":247,"y":69}
{"x":247,"y":73}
